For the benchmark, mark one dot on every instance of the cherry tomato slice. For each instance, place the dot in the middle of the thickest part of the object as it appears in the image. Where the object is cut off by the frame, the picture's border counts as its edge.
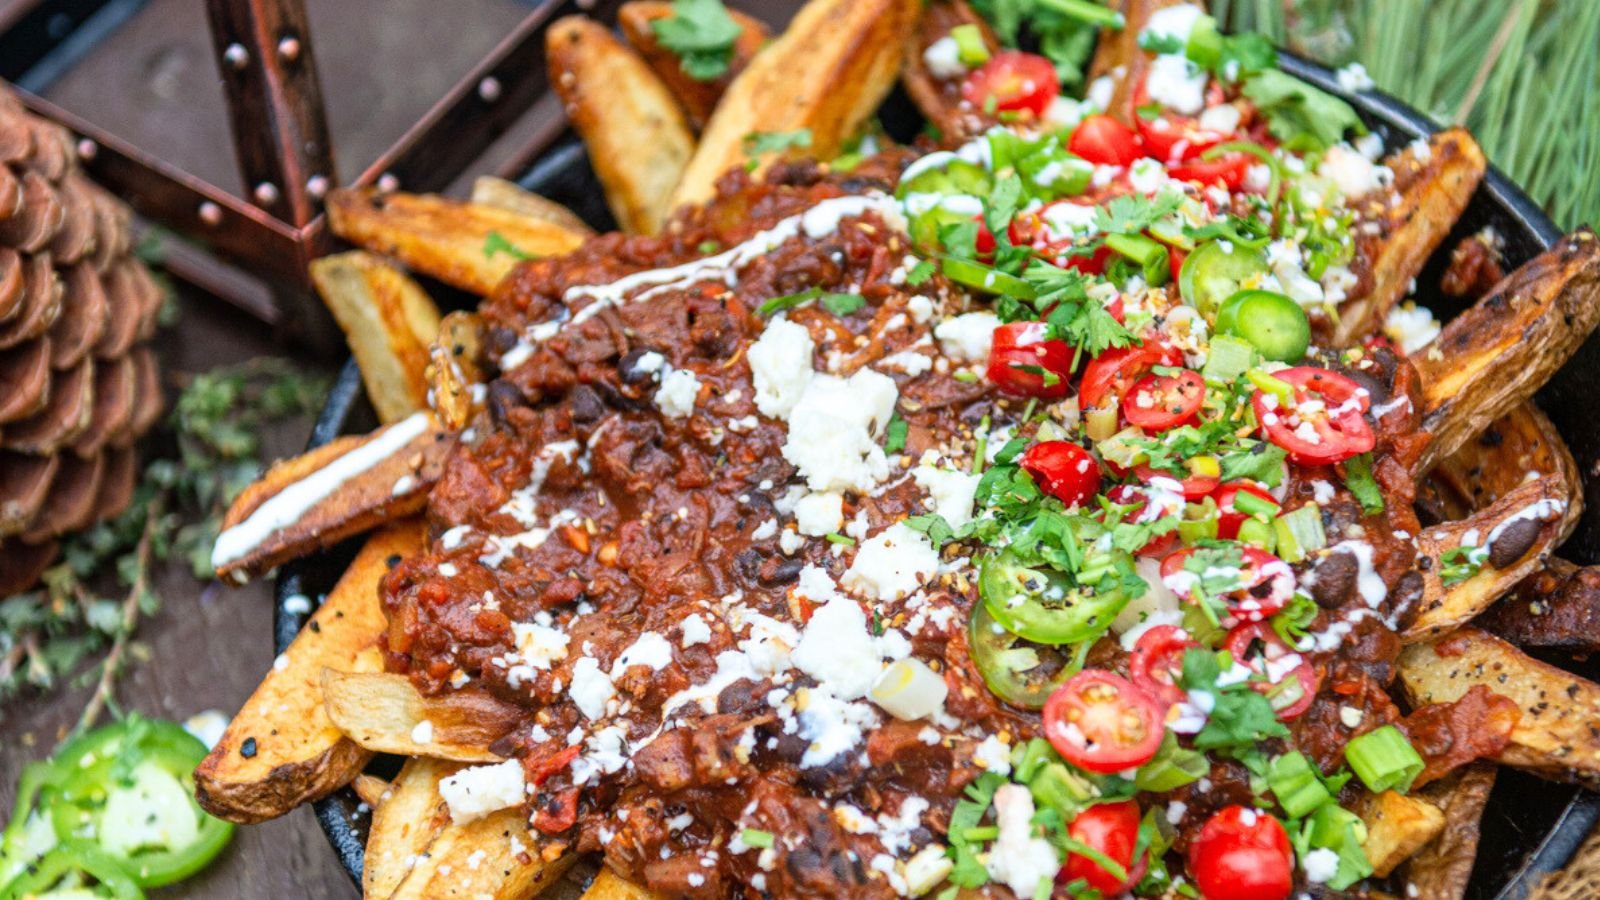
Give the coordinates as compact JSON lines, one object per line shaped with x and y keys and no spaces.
{"x":1258,"y":648}
{"x":1193,"y":487}
{"x":1102,"y":722}
{"x":1172,"y":137}
{"x":1024,"y":364}
{"x":1157,"y":661}
{"x":1264,"y":583}
{"x":1104,"y":141}
{"x":1015,"y":81}
{"x":1063,"y":470}
{"x":1228,"y":524}
{"x":1109,"y":376}
{"x":1113,"y":830}
{"x":1159,"y":402}
{"x":1325,"y":425}
{"x":1228,"y":170}
{"x":1242,"y":854}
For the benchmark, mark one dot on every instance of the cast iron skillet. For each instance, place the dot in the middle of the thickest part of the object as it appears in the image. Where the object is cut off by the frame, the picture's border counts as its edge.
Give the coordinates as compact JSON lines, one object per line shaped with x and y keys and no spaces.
{"x":1531,"y":826}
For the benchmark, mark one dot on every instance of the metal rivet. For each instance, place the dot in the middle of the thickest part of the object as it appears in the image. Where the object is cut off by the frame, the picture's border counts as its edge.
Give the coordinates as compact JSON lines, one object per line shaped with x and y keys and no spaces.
{"x":236,"y":55}
{"x":317,"y":186}
{"x":86,"y":148}
{"x":266,"y":193}
{"x":489,"y":89}
{"x":388,"y":183}
{"x":210,"y":213}
{"x":289,"y":48}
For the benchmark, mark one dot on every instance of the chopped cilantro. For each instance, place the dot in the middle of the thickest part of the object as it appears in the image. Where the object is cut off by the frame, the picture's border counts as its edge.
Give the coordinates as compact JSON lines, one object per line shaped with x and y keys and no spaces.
{"x":1257,"y":460}
{"x":1358,"y":478}
{"x":843,"y":304}
{"x":1240,"y":717}
{"x":757,"y":143}
{"x":1460,"y":564}
{"x":1301,"y":116}
{"x":1135,"y":213}
{"x":894,"y":434}
{"x":920,"y":273}
{"x":838,"y":304}
{"x":701,"y":34}
{"x":495,"y":243}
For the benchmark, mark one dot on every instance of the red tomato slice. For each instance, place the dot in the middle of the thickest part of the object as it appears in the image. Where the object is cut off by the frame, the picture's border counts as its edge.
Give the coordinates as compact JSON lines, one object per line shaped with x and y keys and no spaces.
{"x":1326,"y":423}
{"x":984,"y":243}
{"x":1015,"y":80}
{"x":1019,"y":357}
{"x":1228,"y":524}
{"x":1063,"y":470}
{"x":1104,"y":141}
{"x":1172,"y":137}
{"x":1112,"y":829}
{"x":1193,"y":487}
{"x":1109,"y":376}
{"x":1228,"y":170}
{"x":1102,"y":722}
{"x":1157,"y":661}
{"x":1265,"y":583}
{"x":1159,"y":402}
{"x":1258,"y":648}
{"x":1242,"y":854}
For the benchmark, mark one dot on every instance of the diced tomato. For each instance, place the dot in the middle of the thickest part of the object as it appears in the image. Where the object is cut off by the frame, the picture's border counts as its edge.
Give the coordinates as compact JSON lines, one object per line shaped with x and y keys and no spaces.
{"x":1157,"y":661}
{"x":1293,"y":681}
{"x":1330,"y":405}
{"x":1172,"y":137}
{"x":1032,"y":229}
{"x":1114,"y":372}
{"x":1102,"y":722}
{"x":1228,"y":524}
{"x":1104,"y":141}
{"x":1242,"y":854}
{"x":1063,"y":470}
{"x":1175,"y":258}
{"x":1265,"y":583}
{"x":1112,"y":829}
{"x":1023,"y":363}
{"x":984,"y":243}
{"x":1159,"y":402}
{"x":1228,"y":170}
{"x":1193,"y":487}
{"x":1015,"y":81}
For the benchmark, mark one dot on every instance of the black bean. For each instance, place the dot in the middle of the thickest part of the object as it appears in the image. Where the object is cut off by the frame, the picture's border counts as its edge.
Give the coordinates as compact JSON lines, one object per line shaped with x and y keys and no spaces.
{"x":248,"y":748}
{"x":586,"y":404}
{"x":1513,"y":542}
{"x":1335,"y":580}
{"x":628,"y":366}
{"x":503,"y":398}
{"x":777,"y":570}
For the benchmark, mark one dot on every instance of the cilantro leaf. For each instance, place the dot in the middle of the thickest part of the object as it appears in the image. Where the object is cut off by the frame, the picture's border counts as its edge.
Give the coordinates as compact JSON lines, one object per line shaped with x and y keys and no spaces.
{"x":920,"y":273}
{"x":495,"y":243}
{"x":701,"y":34}
{"x":894,"y":434}
{"x":1240,"y":717}
{"x":757,"y":143}
{"x":843,"y":304}
{"x":1259,"y":461}
{"x":1135,"y":213}
{"x":1298,"y":114}
{"x":838,"y":304}
{"x":1358,"y":478}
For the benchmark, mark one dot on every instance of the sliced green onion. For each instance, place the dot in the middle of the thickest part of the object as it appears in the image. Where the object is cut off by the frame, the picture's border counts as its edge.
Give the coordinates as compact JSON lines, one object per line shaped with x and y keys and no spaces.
{"x":1199,"y":522}
{"x":1148,"y":253}
{"x":980,"y":451}
{"x":980,"y":277}
{"x":755,"y":837}
{"x":1384,"y":760}
{"x":1028,"y":759}
{"x":1254,"y":505}
{"x":1228,"y":358}
{"x":1279,"y":388}
{"x":1173,"y":767}
{"x":1057,"y":787}
{"x":1087,"y":12}
{"x":1296,"y":784}
{"x":837,"y":538}
{"x":1299,"y":533}
{"x":980,"y":834}
{"x":969,"y":45}
{"x":1258,"y":534}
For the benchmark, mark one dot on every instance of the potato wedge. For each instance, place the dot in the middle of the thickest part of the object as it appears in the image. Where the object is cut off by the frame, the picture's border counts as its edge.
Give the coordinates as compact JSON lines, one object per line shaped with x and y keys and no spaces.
{"x":371,"y":789}
{"x":465,"y":245}
{"x":697,"y":98}
{"x":495,"y":857}
{"x":638,"y":139}
{"x":608,"y":885}
{"x":1397,"y":826}
{"x":404,"y":823}
{"x":499,"y":193}
{"x":1495,"y":355}
{"x":453,"y":369}
{"x":1555,"y":608}
{"x":383,"y":711}
{"x":1498,"y":461}
{"x":1119,"y":56}
{"x":296,"y":753}
{"x":1442,"y":869}
{"x":940,"y":98}
{"x":1555,"y":737}
{"x":328,"y":494}
{"x":1508,"y":539}
{"x":1436,"y":190}
{"x":388,"y":321}
{"x":827,"y":73}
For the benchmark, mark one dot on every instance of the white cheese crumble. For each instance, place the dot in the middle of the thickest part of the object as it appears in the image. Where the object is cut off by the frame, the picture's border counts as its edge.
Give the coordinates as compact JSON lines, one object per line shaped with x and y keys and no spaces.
{"x":591,"y":688}
{"x":695,"y":631}
{"x":1177,"y":83}
{"x":650,"y":650}
{"x":833,"y":431}
{"x":943,"y":58}
{"x":819,"y":514}
{"x":679,"y":388}
{"x":967,"y":337}
{"x":1019,"y":859}
{"x":952,"y":492}
{"x":476,"y":791}
{"x":781,"y":366}
{"x":1410,"y":326}
{"x":892,"y":564}
{"x":1354,"y":77}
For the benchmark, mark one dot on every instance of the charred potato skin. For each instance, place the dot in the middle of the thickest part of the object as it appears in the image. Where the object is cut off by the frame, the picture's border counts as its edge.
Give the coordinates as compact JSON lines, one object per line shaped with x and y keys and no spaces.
{"x":940,"y":99}
{"x":1555,"y":608}
{"x":1442,"y":869}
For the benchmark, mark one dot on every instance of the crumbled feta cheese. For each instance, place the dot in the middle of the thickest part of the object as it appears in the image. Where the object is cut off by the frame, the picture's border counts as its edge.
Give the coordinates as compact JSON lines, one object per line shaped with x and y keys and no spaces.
{"x":1354,"y":77}
{"x":1352,"y":173}
{"x":679,"y":388}
{"x":833,"y":431}
{"x":1320,"y":865}
{"x":476,"y":791}
{"x":422,"y":732}
{"x":1222,"y":119}
{"x":539,"y":645}
{"x":819,"y":514}
{"x":967,"y":337}
{"x":781,"y":366}
{"x":591,"y":688}
{"x":1019,"y":859}
{"x":892,"y":564}
{"x":695,"y":631}
{"x":650,"y":650}
{"x":952,"y":492}
{"x":1177,"y":83}
{"x":1410,"y":326}
{"x":838,"y":650}
{"x":993,"y":755}
{"x":943,"y":58}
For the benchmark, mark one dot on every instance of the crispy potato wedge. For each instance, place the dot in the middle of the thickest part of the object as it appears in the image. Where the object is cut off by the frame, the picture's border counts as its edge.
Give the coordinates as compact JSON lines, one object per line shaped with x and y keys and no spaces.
{"x":638,"y":139}
{"x":495,"y":857}
{"x":383,"y":711}
{"x":297,"y":754}
{"x":1555,"y":608}
{"x":1495,"y":355}
{"x":370,"y":788}
{"x":827,"y":73}
{"x":388,"y":321}
{"x":1555,"y":738}
{"x":404,"y":823}
{"x":698,"y":98}
{"x":1514,"y":533}
{"x":1442,"y":869}
{"x":1436,"y":192}
{"x":453,"y":369}
{"x":325,"y":495}
{"x":465,"y":245}
{"x":940,"y":98}
{"x":499,"y":193}
{"x":1119,"y":56}
{"x":1397,"y":826}
{"x":1498,"y":461}
{"x":608,"y":885}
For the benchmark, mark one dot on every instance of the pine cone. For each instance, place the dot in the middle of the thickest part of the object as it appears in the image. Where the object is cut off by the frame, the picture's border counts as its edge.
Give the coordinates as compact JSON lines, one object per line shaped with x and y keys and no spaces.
{"x":78,"y":379}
